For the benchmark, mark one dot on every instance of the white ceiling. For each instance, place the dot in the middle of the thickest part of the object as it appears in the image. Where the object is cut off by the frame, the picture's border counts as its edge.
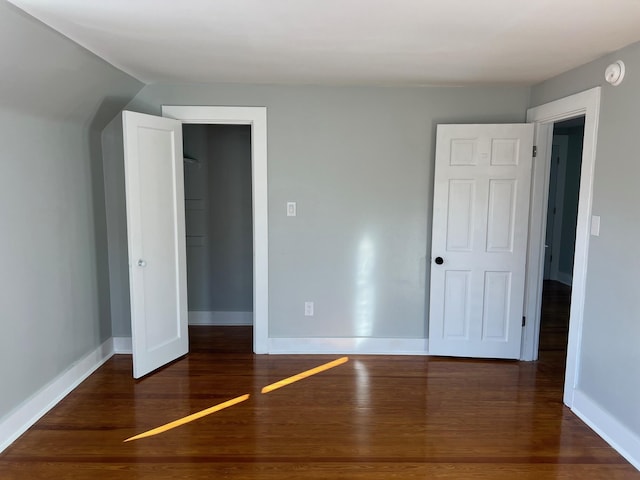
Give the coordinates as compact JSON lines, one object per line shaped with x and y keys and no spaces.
{"x":363,"y":42}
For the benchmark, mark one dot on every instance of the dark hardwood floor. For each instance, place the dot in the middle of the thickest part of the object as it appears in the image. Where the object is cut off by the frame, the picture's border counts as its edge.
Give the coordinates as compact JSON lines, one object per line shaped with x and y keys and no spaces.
{"x":375,"y":417}
{"x":554,"y":321}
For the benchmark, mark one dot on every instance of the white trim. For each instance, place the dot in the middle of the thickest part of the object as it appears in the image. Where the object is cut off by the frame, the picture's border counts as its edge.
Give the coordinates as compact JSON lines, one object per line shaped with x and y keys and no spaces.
{"x":220,"y":318}
{"x":122,"y":346}
{"x":29,"y":412}
{"x":588,"y":104}
{"x":623,"y":440}
{"x":537,"y":232}
{"x":257,"y":118}
{"x":350,"y":345}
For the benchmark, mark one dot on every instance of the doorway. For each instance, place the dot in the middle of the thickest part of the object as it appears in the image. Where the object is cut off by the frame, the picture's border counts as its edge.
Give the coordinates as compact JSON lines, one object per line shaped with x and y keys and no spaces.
{"x":544,"y":117}
{"x":562,"y":213}
{"x":219,"y":226}
{"x":256,"y":119}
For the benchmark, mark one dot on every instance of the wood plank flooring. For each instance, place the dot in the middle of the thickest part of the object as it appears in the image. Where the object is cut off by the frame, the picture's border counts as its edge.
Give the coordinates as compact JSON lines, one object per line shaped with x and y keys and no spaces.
{"x":375,"y":417}
{"x":554,"y":320}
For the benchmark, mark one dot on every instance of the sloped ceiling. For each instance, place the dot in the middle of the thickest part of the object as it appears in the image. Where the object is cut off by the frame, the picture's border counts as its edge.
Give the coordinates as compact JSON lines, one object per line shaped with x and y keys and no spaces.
{"x":352,"y":42}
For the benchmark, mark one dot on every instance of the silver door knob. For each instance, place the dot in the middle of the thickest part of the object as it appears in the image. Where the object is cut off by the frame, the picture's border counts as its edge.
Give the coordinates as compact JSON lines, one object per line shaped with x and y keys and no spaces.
{"x":142,"y":263}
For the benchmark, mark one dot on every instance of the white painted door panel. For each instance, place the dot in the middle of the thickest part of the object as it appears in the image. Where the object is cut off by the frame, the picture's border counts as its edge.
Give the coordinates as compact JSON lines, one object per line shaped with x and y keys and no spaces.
{"x":480,"y":223}
{"x":156,"y":238}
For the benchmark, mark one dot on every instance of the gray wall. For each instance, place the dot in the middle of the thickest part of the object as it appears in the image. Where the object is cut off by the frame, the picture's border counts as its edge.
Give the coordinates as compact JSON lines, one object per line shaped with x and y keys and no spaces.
{"x":359,"y":164}
{"x":197,"y":214}
{"x":55,"y":98}
{"x":610,"y":352}
{"x":116,"y":221}
{"x":571,"y":190}
{"x":219,"y":218}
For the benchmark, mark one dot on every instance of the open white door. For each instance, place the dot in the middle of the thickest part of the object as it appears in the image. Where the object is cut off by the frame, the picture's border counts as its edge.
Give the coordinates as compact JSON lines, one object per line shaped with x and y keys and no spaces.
{"x":479,"y":239}
{"x":156,"y":237}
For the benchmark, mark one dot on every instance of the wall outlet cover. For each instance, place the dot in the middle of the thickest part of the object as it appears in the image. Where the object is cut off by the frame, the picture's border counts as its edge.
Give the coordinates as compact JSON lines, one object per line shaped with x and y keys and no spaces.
{"x":308,"y":309}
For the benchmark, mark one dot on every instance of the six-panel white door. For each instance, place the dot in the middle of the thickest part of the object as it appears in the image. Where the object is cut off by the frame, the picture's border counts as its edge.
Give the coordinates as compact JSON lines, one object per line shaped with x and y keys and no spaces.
{"x":154,"y":189}
{"x":479,"y":239}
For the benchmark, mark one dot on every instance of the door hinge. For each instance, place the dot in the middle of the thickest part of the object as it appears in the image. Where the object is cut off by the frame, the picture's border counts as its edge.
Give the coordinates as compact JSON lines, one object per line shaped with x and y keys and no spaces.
{"x":535,"y":151}
{"x":524,"y":321}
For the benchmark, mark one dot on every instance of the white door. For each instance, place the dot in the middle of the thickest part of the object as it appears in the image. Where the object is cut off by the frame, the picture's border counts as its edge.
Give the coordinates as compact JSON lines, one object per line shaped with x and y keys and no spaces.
{"x":479,"y":239}
{"x":156,"y":239}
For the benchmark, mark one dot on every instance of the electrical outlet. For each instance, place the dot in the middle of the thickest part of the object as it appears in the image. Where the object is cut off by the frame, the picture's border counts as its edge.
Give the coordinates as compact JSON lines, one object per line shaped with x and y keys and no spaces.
{"x":308,"y":309}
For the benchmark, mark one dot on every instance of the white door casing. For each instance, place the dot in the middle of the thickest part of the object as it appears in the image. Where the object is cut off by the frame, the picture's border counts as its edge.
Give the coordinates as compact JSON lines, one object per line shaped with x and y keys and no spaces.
{"x":256,"y":117}
{"x":154,"y":189}
{"x":585,"y":103}
{"x":480,"y":225}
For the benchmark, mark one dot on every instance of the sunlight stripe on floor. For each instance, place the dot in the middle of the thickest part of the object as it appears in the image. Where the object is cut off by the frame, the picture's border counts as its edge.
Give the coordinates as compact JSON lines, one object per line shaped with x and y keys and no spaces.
{"x":190,"y":418}
{"x":305,"y":374}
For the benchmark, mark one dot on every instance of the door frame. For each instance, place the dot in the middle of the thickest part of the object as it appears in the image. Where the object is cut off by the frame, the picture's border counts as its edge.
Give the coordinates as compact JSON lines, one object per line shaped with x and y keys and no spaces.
{"x":586,"y":103}
{"x":256,"y":117}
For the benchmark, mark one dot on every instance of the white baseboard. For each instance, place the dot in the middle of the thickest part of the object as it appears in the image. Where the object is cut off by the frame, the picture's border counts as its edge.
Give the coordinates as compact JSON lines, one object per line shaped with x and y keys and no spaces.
{"x":221,"y":318}
{"x":122,"y":345}
{"x":616,"y":434}
{"x":29,"y":412}
{"x":351,"y":345}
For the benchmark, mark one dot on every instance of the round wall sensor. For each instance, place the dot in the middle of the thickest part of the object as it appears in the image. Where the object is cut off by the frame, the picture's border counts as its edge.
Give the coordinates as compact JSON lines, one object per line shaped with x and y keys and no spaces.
{"x":615,"y":73}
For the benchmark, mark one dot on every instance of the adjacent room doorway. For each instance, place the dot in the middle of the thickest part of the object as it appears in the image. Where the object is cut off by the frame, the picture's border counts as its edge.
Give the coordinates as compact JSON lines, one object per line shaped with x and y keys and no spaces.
{"x":562,"y":215}
{"x":585,"y":104}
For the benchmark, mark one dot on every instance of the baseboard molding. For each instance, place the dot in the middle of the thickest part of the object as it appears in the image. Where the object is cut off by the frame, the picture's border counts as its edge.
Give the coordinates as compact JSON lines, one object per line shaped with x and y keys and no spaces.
{"x":616,"y":434}
{"x":29,"y":412}
{"x":221,"y":318}
{"x":351,"y":345}
{"x":122,"y":345}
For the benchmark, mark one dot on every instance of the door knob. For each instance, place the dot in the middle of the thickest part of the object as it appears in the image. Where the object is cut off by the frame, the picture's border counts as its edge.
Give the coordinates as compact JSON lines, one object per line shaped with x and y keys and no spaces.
{"x":439,"y":260}
{"x":142,"y":263}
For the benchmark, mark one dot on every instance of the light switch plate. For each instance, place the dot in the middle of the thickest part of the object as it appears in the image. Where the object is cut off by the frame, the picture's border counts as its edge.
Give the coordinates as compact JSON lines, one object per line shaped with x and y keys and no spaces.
{"x":291,"y":209}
